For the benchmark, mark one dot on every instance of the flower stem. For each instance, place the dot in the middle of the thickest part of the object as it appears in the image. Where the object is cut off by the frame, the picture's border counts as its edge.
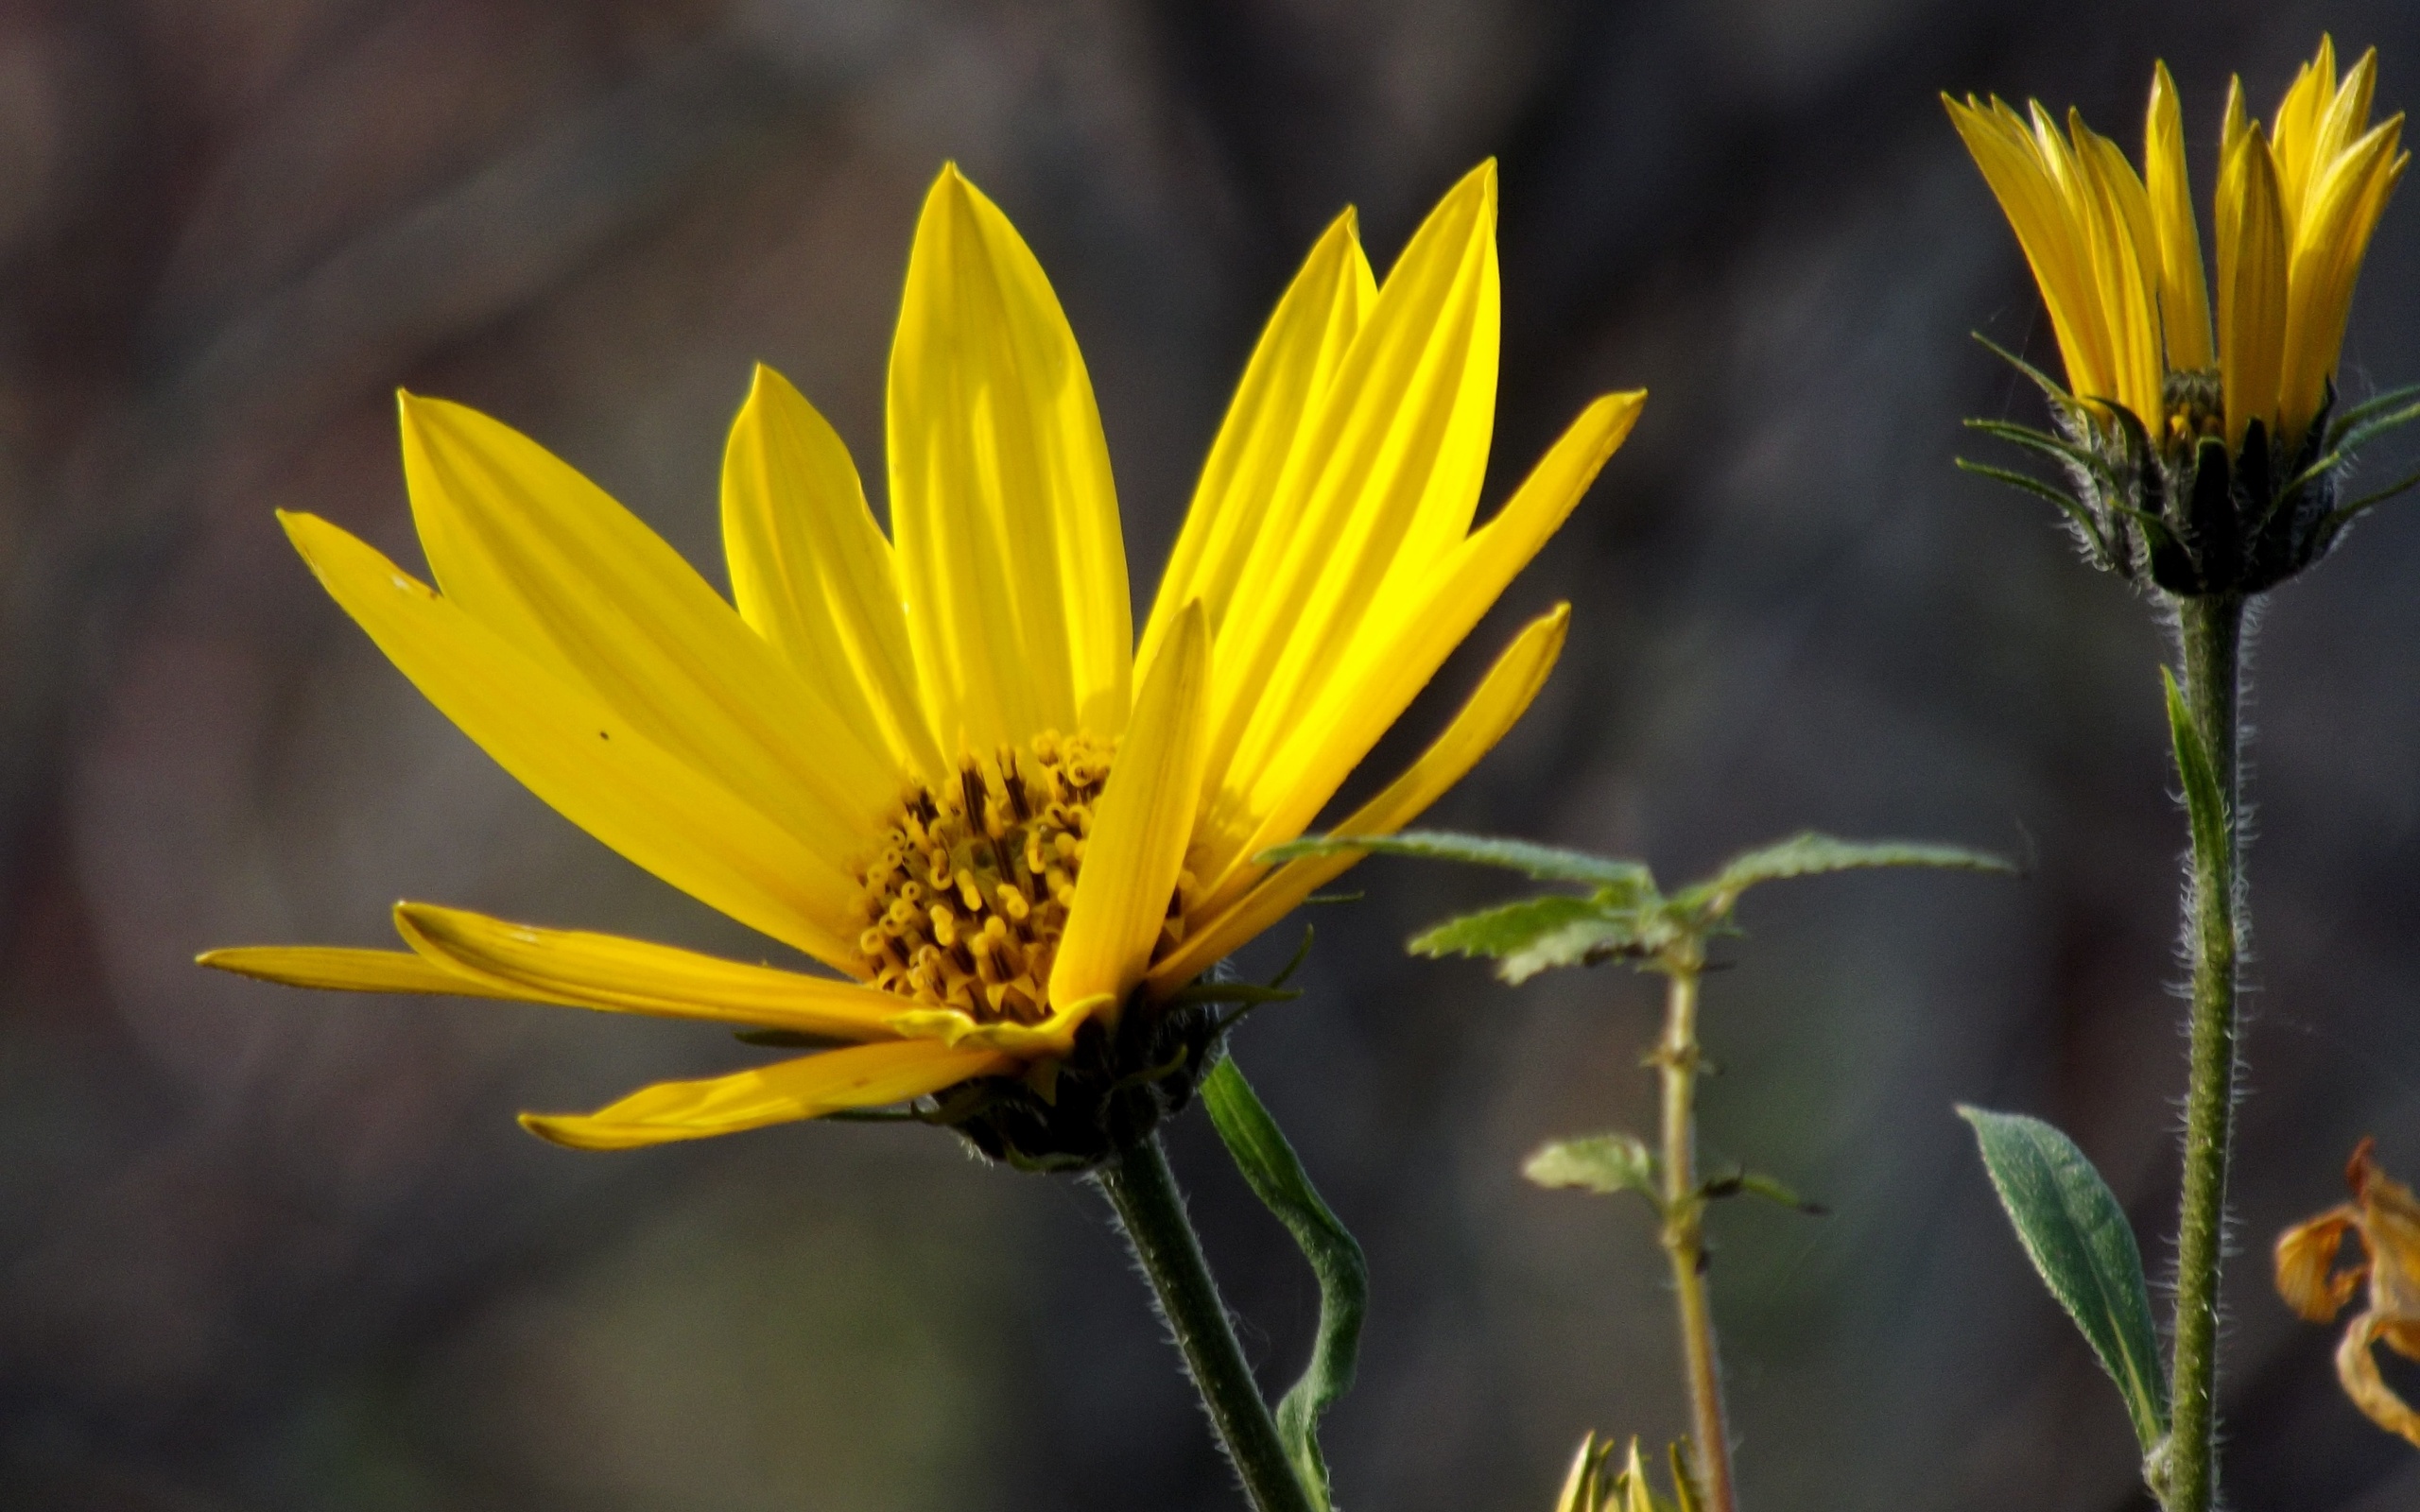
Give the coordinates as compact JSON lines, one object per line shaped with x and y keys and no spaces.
{"x":1684,"y":1226}
{"x":2211,"y":628}
{"x":1144,"y":1193}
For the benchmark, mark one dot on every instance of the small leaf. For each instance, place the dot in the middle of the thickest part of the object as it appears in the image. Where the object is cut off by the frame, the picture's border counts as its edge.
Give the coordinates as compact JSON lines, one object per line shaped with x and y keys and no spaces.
{"x":1595,"y":1163}
{"x":1544,"y":862}
{"x":1276,"y":1176}
{"x":2205,"y":808}
{"x":1744,"y":1182}
{"x":1811,"y":855}
{"x":2077,"y":1239}
{"x":1527,"y":937}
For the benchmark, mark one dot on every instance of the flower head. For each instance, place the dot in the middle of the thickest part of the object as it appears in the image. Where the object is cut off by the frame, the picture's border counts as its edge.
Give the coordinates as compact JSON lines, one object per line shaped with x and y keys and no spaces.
{"x":937,"y":761}
{"x":2201,"y":452}
{"x":2383,"y":1220}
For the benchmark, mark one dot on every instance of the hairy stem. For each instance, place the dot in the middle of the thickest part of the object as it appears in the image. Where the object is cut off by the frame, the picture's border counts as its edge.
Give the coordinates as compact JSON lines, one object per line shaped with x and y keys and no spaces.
{"x":1143,"y":1191}
{"x":1684,"y":1228}
{"x":2212,"y":631}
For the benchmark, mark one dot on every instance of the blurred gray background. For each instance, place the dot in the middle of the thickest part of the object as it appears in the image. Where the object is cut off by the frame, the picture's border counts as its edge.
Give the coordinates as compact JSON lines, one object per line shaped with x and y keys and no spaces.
{"x":262,"y":1249}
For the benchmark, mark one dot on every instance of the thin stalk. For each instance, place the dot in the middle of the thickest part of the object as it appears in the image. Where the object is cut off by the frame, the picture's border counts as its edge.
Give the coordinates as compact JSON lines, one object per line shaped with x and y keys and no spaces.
{"x":1150,"y":1210}
{"x":2211,"y":629}
{"x":1684,"y":1235}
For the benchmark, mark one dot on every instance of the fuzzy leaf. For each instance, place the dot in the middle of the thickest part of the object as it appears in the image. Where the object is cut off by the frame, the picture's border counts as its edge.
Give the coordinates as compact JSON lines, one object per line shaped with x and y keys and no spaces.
{"x":1595,"y":1163}
{"x":2077,"y":1239}
{"x":1811,"y":855}
{"x":1535,"y":934}
{"x":2367,"y":410}
{"x":1544,"y":862}
{"x":1277,"y":1177}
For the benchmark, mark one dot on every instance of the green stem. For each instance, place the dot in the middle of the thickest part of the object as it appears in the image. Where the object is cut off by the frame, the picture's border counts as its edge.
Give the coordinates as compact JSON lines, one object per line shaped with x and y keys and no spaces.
{"x":1143,"y":1191}
{"x":2211,"y":629}
{"x":1684,"y":1228}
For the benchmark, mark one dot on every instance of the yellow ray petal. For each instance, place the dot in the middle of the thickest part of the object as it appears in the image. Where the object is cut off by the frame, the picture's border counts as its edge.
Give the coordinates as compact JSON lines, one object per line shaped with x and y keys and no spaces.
{"x":1391,"y":478}
{"x":1000,"y":494}
{"x":1502,"y":696}
{"x":587,"y":761}
{"x":1136,"y":851}
{"x":2184,"y":293}
{"x":1268,"y":428}
{"x":337,"y":969}
{"x":2252,"y":286}
{"x":2340,"y":210}
{"x":525,"y":544}
{"x":621,"y":975}
{"x":812,"y":572}
{"x":2127,"y":249}
{"x":1398,"y":652}
{"x":809,"y":1087}
{"x":2038,"y":210}
{"x":2294,"y":139}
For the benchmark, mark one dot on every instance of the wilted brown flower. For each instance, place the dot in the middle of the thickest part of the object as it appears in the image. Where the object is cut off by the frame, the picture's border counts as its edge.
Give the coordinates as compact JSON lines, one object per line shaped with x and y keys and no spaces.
{"x":2385,"y":1218}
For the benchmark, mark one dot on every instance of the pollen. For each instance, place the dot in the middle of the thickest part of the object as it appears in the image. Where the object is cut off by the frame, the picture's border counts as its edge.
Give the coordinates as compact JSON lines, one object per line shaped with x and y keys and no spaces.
{"x":963,"y":903}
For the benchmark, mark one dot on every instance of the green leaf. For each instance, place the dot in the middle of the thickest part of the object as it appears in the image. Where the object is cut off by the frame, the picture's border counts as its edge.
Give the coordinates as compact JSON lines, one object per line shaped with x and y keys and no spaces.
{"x":1744,"y":1182}
{"x":1544,"y":862}
{"x":1811,"y":855}
{"x":1530,"y":936}
{"x":2205,"y":808}
{"x":1277,"y":1177}
{"x":1596,"y":1162}
{"x":2077,"y":1239}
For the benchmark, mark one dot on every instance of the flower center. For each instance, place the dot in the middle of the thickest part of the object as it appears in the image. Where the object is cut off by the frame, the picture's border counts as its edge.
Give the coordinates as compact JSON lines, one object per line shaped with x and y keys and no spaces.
{"x":965,"y":904}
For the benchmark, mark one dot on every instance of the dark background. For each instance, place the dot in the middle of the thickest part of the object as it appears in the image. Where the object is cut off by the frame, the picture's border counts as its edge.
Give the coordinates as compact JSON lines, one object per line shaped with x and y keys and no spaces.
{"x":270,"y":1250}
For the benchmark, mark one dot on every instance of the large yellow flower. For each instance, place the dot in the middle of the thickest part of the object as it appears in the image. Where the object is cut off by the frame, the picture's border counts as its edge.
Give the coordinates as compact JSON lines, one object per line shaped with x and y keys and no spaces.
{"x":938,"y":762}
{"x":2119,"y":261}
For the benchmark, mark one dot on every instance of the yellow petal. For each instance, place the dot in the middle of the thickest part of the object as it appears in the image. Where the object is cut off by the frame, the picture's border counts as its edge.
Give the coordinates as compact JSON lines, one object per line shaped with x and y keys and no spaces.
{"x":2184,"y":293}
{"x":2126,"y":253}
{"x":333,"y":968}
{"x":1136,"y":847}
{"x":1395,"y":655}
{"x":2329,"y":243}
{"x":2252,"y":286}
{"x":2357,"y":1368}
{"x":1391,"y":479}
{"x":586,"y":760}
{"x":524,"y":543}
{"x":2038,"y":209}
{"x":1266,"y":435}
{"x":2295,"y":139}
{"x":809,"y":1087}
{"x":1000,"y":494}
{"x":812,"y":572}
{"x":619,"y":975}
{"x":1506,"y":691}
{"x":2306,"y":1265}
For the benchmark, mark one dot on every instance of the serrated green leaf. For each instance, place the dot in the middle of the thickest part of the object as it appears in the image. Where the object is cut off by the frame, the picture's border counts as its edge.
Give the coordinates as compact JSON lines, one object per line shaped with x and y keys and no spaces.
{"x":2078,"y":1241}
{"x":1276,"y":1176}
{"x":1545,"y":862}
{"x":1811,"y":855}
{"x":2205,"y":808}
{"x":1530,"y":936}
{"x":1595,"y":1163}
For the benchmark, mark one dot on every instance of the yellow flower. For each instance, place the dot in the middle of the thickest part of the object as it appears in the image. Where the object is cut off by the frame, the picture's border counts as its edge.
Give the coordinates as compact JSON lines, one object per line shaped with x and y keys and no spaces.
{"x":938,"y":763}
{"x":2384,"y":1220}
{"x":2150,"y":383}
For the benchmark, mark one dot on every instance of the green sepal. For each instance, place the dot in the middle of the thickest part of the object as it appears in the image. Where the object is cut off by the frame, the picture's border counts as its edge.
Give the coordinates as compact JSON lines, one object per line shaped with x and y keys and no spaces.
{"x":1603,"y":1163}
{"x":2078,"y":1238}
{"x":1276,"y":1176}
{"x":2370,"y":409}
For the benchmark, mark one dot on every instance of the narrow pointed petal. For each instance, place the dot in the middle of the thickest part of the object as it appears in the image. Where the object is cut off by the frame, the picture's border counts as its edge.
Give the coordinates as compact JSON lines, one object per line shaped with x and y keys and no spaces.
{"x":2252,"y":286}
{"x":2340,"y":212}
{"x":525,"y":544}
{"x":813,"y":573}
{"x":2126,"y":250}
{"x":1398,"y":652}
{"x":1266,"y":435}
{"x":2294,"y":141}
{"x":2184,"y":294}
{"x":1136,"y":850}
{"x":1399,"y":453}
{"x":619,"y":975}
{"x":808,"y":1086}
{"x":586,"y":760}
{"x":1001,"y":500}
{"x":338,"y":970}
{"x":2037,"y":206}
{"x":1502,"y":698}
